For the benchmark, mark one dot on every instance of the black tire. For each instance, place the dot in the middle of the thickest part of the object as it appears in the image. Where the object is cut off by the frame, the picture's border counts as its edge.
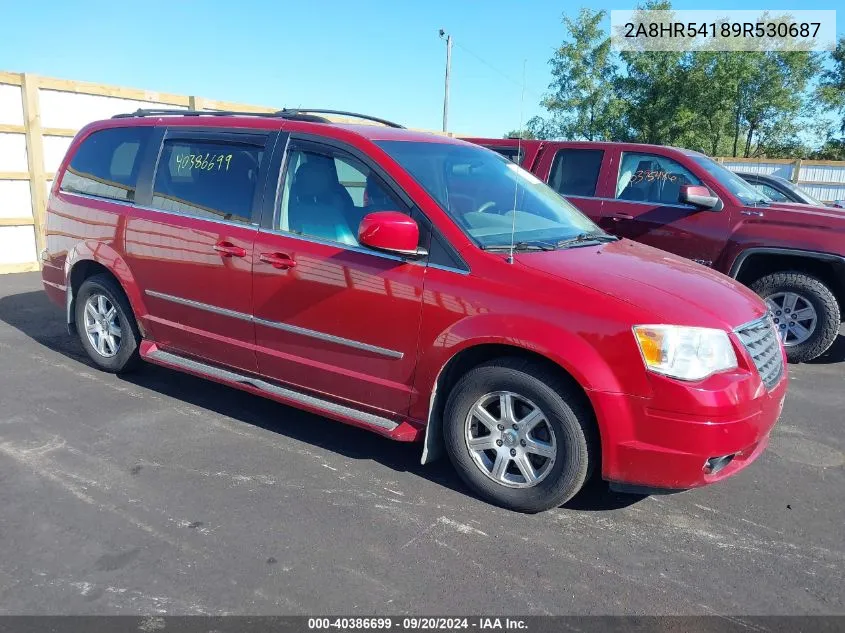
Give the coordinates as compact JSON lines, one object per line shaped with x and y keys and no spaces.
{"x":568,"y":413}
{"x":127,"y":357}
{"x":822,"y":300}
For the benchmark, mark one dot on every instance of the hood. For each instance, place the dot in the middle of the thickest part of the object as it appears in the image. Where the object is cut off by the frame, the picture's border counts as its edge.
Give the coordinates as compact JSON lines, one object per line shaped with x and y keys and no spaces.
{"x":823,"y":216}
{"x":671,"y":289}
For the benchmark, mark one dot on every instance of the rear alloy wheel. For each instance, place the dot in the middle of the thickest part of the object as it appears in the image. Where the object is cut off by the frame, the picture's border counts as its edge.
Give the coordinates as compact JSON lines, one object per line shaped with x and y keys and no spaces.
{"x":102,"y":325}
{"x":106,"y":325}
{"x":805,"y":312}
{"x":520,"y":434}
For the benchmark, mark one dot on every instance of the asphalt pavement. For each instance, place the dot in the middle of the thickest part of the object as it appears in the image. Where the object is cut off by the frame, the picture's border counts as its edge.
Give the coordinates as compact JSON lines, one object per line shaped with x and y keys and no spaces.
{"x":161,"y":493}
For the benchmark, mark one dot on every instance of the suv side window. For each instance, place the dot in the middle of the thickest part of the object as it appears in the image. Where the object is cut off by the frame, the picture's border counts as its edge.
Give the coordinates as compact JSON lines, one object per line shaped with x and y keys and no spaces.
{"x":107,"y":162}
{"x":575,"y":172}
{"x":208,"y":178}
{"x":326,"y":194}
{"x":652,"y":178}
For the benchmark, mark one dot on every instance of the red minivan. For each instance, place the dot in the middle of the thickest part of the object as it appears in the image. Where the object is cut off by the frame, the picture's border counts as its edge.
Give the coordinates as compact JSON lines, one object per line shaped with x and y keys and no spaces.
{"x":415,"y":285}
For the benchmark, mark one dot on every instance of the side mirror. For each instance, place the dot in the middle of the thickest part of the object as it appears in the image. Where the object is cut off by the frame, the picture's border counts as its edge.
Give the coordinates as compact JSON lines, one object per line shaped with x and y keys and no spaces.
{"x":390,"y":231}
{"x":699,"y":195}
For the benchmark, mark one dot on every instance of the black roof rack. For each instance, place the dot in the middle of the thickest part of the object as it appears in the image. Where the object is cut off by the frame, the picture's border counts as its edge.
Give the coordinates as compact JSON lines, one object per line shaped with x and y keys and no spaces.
{"x":366,"y":117}
{"x":293,"y":114}
{"x":174,"y":112}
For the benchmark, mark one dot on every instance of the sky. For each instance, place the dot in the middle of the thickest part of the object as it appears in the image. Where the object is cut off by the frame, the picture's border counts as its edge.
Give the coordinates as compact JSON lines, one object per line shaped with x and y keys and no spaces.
{"x":381,"y":58}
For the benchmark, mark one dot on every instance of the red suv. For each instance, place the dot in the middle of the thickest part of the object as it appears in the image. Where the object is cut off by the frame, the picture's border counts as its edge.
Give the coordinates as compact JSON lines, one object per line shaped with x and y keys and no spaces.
{"x":792,"y":255}
{"x":415,"y":285}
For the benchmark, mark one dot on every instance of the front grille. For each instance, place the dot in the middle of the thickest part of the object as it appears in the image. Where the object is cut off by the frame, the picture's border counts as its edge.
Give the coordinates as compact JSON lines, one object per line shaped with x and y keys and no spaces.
{"x":761,"y":340}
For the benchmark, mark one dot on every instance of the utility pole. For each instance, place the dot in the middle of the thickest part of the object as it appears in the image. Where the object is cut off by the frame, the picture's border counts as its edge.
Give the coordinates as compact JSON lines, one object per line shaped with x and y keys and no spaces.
{"x":448,"y":72}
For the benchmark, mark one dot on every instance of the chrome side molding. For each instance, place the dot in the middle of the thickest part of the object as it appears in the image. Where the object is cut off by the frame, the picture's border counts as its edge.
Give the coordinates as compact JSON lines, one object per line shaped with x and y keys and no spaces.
{"x":211,"y":371}
{"x":293,"y":329}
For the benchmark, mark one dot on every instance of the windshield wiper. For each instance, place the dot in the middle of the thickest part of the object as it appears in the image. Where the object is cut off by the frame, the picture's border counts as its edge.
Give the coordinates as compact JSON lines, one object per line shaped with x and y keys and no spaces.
{"x":520,"y":246}
{"x":587,"y":238}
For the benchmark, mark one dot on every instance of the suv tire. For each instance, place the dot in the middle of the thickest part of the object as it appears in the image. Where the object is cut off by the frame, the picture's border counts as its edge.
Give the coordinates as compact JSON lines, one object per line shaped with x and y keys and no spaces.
{"x":106,"y":325}
{"x":548,"y":429}
{"x":812,"y":292}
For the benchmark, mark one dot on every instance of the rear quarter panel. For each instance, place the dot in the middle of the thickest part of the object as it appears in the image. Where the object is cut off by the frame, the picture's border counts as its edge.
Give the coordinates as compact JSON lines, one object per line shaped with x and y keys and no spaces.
{"x":85,"y":229}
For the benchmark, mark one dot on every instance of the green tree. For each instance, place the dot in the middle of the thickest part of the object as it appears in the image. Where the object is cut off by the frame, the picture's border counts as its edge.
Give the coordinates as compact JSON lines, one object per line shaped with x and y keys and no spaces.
{"x":582,"y":101}
{"x":525,"y":134}
{"x":832,"y":85}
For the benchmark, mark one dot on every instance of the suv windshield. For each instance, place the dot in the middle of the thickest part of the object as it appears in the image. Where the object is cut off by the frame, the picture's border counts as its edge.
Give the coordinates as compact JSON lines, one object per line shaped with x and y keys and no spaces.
{"x":489,"y":196}
{"x":798,"y":191}
{"x":733,"y":183}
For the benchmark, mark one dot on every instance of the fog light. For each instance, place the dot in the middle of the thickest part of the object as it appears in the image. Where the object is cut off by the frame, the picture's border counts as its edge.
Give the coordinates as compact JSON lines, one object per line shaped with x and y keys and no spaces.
{"x":715,"y":464}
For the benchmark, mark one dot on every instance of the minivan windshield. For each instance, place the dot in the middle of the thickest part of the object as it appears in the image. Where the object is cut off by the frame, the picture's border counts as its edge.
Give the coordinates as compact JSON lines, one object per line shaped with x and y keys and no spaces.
{"x":733,"y":183}
{"x":490,"y":197}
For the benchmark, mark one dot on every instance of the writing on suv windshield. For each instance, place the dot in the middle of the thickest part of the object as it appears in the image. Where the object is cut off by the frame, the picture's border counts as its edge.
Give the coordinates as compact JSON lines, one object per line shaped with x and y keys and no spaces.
{"x":490,"y":197}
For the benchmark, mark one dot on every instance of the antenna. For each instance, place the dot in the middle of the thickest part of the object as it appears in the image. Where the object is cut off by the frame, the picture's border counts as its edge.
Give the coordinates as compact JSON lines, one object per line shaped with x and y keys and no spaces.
{"x":518,"y":158}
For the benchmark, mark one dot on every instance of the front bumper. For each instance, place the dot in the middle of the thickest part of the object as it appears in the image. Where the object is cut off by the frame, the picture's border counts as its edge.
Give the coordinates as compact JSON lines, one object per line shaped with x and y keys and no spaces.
{"x":665,"y":441}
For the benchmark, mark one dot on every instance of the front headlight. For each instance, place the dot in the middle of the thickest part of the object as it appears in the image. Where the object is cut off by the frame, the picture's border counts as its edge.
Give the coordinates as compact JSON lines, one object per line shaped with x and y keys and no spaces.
{"x":687,"y":353}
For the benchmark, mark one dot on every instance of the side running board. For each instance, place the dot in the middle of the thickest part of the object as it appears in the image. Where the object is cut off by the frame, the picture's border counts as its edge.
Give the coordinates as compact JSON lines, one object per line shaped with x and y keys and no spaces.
{"x":230,"y":376}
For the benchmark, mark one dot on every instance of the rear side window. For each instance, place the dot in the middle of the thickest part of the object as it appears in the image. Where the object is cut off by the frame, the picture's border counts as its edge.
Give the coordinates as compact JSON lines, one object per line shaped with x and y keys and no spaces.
{"x":208,"y":178}
{"x":107,"y":162}
{"x":575,"y":172}
{"x":513,"y":154}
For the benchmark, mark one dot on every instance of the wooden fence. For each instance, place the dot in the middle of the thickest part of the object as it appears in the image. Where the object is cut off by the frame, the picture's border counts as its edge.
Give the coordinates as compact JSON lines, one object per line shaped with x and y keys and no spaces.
{"x":823,"y":179}
{"x":38,"y":118}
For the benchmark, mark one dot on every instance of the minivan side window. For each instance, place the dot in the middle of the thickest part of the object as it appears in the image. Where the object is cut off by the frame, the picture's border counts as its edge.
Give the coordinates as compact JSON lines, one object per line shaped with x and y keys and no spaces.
{"x":107,"y":162}
{"x":326,"y":195}
{"x":206,"y":178}
{"x":652,"y":178}
{"x":575,"y":172}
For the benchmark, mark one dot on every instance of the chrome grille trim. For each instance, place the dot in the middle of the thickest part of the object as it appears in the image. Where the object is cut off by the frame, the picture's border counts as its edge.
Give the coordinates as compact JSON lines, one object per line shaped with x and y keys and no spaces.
{"x":762,"y":342}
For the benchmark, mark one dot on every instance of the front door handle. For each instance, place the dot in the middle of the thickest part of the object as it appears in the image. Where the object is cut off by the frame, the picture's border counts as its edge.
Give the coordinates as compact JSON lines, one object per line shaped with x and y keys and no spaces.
{"x":622,"y":216}
{"x":227,"y":249}
{"x":278,"y":260}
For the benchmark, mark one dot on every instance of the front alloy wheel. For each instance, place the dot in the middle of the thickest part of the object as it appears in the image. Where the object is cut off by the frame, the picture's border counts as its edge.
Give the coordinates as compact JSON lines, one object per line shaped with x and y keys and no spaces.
{"x":795,"y":317}
{"x":510,"y":439}
{"x":520,"y":433}
{"x":805,"y":311}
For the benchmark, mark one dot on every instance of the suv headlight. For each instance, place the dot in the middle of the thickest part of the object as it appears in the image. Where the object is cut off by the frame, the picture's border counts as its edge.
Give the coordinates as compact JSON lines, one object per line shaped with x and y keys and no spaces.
{"x":686,"y":353}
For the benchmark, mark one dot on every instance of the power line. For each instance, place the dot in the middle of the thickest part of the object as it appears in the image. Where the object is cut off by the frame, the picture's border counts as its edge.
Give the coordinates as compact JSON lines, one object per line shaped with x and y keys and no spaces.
{"x":478,"y":57}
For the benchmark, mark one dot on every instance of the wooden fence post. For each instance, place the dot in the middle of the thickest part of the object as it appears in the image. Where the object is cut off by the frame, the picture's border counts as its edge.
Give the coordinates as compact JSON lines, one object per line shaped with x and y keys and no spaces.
{"x":796,"y":170}
{"x":34,"y":157}
{"x":195,"y":103}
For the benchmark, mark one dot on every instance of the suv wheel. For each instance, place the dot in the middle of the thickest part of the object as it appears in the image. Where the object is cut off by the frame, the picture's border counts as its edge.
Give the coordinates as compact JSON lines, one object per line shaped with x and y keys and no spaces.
{"x":106,"y":325}
{"x":805,"y":312}
{"x":519,"y":436}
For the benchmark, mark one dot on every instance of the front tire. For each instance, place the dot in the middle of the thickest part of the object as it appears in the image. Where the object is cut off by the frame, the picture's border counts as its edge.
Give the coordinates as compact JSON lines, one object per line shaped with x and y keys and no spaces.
{"x":805,"y":311}
{"x":519,"y":435}
{"x":106,"y":325}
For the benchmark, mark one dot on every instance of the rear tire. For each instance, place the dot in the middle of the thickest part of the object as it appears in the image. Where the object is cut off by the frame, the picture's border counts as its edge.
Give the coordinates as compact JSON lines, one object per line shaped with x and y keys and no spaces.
{"x":545,"y":447}
{"x":814,"y":299}
{"x":106,"y":325}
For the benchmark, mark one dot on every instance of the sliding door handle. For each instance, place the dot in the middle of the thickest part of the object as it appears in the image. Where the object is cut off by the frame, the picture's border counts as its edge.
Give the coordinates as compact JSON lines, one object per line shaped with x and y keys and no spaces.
{"x":227,"y":249}
{"x":278,"y":260}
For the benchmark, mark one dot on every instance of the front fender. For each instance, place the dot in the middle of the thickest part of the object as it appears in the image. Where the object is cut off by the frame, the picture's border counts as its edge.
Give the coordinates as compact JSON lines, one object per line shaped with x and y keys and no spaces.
{"x":586,"y":360}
